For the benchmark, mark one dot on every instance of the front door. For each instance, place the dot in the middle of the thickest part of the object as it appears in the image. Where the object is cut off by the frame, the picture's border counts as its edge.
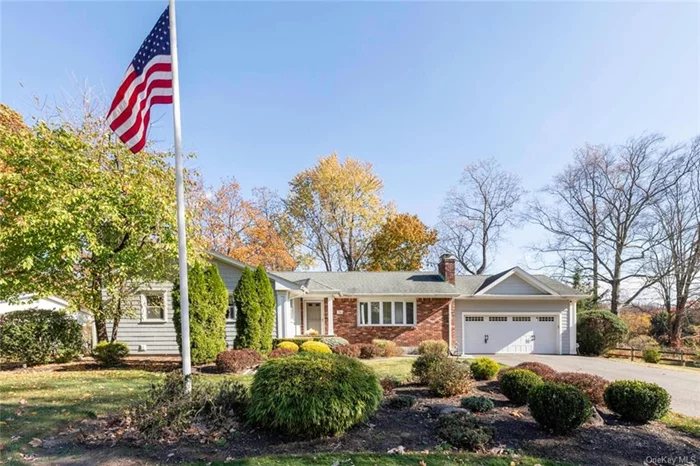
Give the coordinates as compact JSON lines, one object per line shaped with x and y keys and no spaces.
{"x":314,"y":317}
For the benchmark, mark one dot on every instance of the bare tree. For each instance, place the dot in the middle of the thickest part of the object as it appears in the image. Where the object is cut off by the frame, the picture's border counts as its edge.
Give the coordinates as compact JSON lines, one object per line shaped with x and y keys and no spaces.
{"x":676,"y":259}
{"x":476,"y":212}
{"x":601,"y":216}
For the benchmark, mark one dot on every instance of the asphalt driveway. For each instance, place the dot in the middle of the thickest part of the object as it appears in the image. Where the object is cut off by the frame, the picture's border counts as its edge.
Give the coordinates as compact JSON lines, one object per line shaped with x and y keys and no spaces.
{"x":683,"y":385}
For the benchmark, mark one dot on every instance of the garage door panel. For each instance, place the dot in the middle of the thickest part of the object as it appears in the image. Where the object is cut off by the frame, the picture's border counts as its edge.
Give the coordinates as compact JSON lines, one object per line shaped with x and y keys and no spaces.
{"x":484,"y":334}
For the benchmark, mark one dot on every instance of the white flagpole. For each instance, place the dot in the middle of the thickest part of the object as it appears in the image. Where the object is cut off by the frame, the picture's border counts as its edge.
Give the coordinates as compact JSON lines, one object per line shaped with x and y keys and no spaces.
{"x":181,"y":237}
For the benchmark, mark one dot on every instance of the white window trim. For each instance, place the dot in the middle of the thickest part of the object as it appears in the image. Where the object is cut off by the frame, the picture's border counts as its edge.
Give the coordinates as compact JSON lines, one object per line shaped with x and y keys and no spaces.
{"x":381,"y":312}
{"x":144,"y":314}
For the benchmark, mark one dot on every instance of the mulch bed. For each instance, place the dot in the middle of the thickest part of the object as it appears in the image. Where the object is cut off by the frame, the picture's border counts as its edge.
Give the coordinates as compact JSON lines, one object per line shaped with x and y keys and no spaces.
{"x":614,"y":443}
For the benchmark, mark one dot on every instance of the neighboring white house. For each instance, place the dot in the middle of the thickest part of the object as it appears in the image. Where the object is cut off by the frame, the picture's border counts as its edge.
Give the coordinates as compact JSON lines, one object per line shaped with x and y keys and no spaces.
{"x":28,"y":301}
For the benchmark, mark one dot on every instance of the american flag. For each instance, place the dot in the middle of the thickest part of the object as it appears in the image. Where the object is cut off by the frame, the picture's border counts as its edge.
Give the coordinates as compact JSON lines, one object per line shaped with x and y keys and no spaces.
{"x":148,"y":82}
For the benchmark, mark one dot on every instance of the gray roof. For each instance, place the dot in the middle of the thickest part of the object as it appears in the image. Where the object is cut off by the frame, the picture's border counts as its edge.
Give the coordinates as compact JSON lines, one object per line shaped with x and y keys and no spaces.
{"x":416,"y":283}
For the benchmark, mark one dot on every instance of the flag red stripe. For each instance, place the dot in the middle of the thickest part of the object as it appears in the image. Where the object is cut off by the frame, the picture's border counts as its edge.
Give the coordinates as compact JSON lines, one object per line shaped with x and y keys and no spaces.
{"x":128,"y":110}
{"x":157,"y":99}
{"x":146,"y":101}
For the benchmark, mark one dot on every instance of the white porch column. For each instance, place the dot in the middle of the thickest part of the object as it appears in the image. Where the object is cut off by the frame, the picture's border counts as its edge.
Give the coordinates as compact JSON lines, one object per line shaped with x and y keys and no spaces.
{"x":572,"y":327}
{"x":330,"y":315}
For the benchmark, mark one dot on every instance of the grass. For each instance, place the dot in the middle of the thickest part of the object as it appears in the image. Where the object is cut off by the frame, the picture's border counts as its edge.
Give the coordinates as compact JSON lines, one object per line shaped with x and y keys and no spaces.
{"x":687,"y":424}
{"x":372,"y":459}
{"x":391,"y":367}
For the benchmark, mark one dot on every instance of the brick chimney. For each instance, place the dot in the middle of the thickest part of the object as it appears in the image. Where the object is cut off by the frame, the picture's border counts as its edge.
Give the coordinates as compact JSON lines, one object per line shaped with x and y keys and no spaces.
{"x":446,"y":267}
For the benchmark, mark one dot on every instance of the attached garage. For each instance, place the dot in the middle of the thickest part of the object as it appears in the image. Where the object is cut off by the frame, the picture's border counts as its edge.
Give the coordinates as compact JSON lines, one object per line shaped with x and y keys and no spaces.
{"x":490,"y":333}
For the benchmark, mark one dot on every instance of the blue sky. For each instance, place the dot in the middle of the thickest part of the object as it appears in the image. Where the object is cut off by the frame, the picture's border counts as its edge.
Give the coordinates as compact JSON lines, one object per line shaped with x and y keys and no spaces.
{"x":418,"y":89}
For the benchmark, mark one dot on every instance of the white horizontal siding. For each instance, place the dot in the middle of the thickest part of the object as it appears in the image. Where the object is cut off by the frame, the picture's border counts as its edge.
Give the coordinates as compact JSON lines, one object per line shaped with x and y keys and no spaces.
{"x":515,"y":285}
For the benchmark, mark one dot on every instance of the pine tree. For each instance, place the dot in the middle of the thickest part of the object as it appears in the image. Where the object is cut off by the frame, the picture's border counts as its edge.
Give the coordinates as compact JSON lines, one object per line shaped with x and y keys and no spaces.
{"x":208,"y":300}
{"x":266,"y":300}
{"x":248,"y":312}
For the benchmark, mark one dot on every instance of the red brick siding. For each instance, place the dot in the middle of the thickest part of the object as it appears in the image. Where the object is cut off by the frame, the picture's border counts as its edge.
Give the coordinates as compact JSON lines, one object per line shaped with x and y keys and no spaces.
{"x":433,"y":323}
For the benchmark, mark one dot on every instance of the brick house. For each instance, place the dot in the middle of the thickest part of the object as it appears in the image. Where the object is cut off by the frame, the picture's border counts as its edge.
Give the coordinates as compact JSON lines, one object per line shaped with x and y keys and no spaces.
{"x":509,"y":312}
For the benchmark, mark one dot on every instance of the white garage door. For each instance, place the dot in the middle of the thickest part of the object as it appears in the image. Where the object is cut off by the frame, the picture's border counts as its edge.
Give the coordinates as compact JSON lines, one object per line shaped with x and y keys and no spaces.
{"x":484,"y":334}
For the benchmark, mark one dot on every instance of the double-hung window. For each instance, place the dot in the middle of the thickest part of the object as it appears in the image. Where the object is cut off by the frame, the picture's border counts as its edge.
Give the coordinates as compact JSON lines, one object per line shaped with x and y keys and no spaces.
{"x":387,"y":313}
{"x":153,"y":307}
{"x":231,"y":309}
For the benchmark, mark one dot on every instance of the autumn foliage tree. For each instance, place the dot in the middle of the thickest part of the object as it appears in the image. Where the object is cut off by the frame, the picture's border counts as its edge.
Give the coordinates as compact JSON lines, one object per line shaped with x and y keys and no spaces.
{"x":236,"y":227}
{"x":338,"y":207}
{"x":402,"y":243}
{"x":82,"y":217}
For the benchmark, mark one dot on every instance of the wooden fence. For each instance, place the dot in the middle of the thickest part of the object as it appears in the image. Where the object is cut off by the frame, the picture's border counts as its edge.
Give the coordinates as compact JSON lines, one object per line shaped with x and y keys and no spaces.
{"x":680,"y":357}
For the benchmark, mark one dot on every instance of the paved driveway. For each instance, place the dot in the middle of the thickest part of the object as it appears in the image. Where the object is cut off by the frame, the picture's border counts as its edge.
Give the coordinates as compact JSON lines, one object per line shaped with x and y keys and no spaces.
{"x":683,"y":385}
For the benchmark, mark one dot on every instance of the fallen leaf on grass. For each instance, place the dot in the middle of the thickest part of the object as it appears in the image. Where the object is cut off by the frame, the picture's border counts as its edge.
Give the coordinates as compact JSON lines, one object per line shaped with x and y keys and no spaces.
{"x":516,"y":413}
{"x":35,"y":442}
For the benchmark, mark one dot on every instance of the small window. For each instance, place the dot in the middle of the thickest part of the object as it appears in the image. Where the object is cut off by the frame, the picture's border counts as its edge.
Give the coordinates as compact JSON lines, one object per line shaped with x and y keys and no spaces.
{"x":398,"y":313}
{"x":521,"y":319}
{"x":498,"y":319}
{"x":154,"y":307}
{"x":375,"y":312}
{"x":545,"y":319}
{"x":474,"y":318}
{"x":410,"y":316}
{"x":364,"y":313}
{"x":386,"y":312}
{"x":231,"y":310}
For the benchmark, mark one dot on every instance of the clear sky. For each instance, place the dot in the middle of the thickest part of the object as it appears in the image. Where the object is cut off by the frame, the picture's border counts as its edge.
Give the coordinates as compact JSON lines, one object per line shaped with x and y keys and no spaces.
{"x":418,"y":89}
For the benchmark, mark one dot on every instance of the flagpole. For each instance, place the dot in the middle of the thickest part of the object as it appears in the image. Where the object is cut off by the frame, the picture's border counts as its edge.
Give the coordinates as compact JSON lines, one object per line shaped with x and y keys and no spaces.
{"x":181,"y":237}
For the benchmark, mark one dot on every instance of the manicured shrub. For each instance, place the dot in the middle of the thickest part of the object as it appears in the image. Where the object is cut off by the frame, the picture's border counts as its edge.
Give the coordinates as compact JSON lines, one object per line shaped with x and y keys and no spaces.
{"x":423,"y":364}
{"x":110,"y":354}
{"x":39,"y":336}
{"x":449,"y":378}
{"x":599,"y":331}
{"x":651,"y":355}
{"x":543,"y":370}
{"x":477,"y":404}
{"x":248,"y":312}
{"x":313,"y":394}
{"x":238,"y":360}
{"x":591,"y":385}
{"x":334,"y":342}
{"x":389,"y":384}
{"x":267,"y":303}
{"x":389,"y":348}
{"x":484,"y":368}
{"x":369,"y":351}
{"x":637,"y":401}
{"x":464,"y":431}
{"x":515,"y":384}
{"x":289,"y":346}
{"x":297,"y":341}
{"x":315,"y":347}
{"x":208,"y":306}
{"x":559,"y":408}
{"x":352,"y":351}
{"x":401,"y":401}
{"x":166,"y":412}
{"x":433,"y":347}
{"x":280,"y":353}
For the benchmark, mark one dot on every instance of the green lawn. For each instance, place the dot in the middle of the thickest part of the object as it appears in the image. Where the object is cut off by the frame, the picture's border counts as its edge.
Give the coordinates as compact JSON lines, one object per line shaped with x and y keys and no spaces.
{"x":688,"y":424}
{"x":369,"y":459}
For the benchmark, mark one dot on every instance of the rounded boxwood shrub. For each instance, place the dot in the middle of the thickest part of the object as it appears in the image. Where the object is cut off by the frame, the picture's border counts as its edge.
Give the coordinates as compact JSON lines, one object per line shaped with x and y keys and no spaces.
{"x":334,"y":342}
{"x":369,"y":351}
{"x":477,"y":404}
{"x":637,"y":401}
{"x":315,"y":347}
{"x":237,"y":360}
{"x":558,"y":407}
{"x":599,"y":331}
{"x":651,"y":355}
{"x":39,"y":336}
{"x":464,"y":431}
{"x":422,"y":365}
{"x":110,"y":354}
{"x":401,"y":401}
{"x":438,"y":347}
{"x":484,"y":368}
{"x":352,"y":351}
{"x":591,"y":385}
{"x":515,"y":384}
{"x":313,"y":394}
{"x":280,"y":353}
{"x":288,"y":345}
{"x":541,"y":369}
{"x":449,"y":378}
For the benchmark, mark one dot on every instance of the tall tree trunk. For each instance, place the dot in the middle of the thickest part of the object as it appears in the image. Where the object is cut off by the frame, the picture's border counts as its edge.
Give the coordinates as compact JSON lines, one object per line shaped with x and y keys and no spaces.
{"x":614,"y":296}
{"x":115,"y":328}
{"x":101,"y":327}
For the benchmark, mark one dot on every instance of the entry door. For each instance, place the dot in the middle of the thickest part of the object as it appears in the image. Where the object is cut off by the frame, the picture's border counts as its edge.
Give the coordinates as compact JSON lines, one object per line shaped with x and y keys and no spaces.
{"x":314,"y":317}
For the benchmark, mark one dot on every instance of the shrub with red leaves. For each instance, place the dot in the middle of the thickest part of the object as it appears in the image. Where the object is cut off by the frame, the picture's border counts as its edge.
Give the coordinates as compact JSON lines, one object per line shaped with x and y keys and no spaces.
{"x":237,"y":360}
{"x":352,"y":350}
{"x":543,"y":370}
{"x":280,"y":353}
{"x":370,"y":351}
{"x":591,"y":385}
